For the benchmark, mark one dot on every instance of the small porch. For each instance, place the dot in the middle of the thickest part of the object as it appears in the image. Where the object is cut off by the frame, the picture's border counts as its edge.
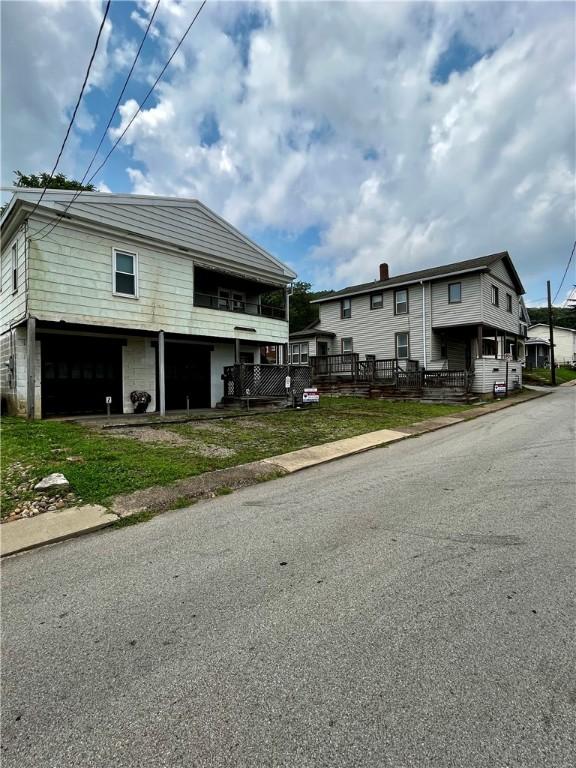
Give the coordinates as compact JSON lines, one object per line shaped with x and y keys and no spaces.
{"x":246,"y":383}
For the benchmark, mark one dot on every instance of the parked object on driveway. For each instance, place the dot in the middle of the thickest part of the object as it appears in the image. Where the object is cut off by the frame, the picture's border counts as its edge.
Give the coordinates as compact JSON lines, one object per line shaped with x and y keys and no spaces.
{"x":141,"y":400}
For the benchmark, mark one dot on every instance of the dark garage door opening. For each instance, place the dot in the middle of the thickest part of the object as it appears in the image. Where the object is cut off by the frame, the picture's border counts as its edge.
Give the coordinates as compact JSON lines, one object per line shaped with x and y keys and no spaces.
{"x":78,"y":373}
{"x":187,"y":375}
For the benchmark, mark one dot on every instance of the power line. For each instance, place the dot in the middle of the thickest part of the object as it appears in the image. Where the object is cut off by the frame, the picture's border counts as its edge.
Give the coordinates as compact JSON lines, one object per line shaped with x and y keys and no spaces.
{"x":145,"y":99}
{"x":565,"y":273}
{"x":51,"y":225}
{"x":86,"y":76}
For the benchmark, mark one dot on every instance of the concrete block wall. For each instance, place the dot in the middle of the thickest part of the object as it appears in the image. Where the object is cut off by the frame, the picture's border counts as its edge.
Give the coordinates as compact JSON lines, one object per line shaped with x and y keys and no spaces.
{"x":138,"y":371}
{"x":13,"y":372}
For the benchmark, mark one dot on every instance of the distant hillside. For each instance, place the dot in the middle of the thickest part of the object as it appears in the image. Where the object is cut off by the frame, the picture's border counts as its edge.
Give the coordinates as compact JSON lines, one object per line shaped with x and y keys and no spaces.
{"x":565,"y":317}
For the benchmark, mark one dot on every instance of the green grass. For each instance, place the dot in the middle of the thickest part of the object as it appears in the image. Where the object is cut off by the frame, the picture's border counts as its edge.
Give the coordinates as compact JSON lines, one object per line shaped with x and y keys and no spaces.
{"x":544,"y":375}
{"x":113,"y":465}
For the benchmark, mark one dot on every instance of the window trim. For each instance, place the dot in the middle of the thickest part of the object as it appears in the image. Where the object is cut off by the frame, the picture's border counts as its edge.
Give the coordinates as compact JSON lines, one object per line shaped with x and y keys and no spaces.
{"x":457,"y":301}
{"x":351,"y":350}
{"x":300,"y":345}
{"x":407,"y":302}
{"x":376,"y":296}
{"x":509,"y":302}
{"x":125,"y":252}
{"x":495,"y":296}
{"x":342,"y":310}
{"x":396,"y":335}
{"x":14,"y":270}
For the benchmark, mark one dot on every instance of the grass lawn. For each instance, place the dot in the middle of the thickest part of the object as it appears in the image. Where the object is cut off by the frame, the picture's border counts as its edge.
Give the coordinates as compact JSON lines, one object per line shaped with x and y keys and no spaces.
{"x":144,"y":456}
{"x":543,"y":375}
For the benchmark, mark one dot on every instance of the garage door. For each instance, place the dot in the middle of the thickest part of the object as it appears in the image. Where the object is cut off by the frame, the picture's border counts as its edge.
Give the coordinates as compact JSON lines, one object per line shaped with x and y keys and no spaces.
{"x":78,"y":373}
{"x":187,"y":375}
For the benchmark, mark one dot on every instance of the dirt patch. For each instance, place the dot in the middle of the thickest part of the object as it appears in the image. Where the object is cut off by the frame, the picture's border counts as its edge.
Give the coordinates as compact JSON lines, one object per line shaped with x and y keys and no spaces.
{"x":151,"y":435}
{"x":210,"y":450}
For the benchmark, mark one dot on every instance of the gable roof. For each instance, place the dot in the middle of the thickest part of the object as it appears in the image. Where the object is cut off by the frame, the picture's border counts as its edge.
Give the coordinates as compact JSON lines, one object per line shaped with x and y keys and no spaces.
{"x":311,"y":331}
{"x":482,"y":263}
{"x":186,"y":224}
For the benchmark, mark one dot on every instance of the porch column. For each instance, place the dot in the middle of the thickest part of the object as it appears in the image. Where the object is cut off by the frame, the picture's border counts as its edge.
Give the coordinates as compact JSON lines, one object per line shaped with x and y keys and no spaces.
{"x":479,"y":340}
{"x":236,"y":350}
{"x":30,"y":367}
{"x":161,"y":374}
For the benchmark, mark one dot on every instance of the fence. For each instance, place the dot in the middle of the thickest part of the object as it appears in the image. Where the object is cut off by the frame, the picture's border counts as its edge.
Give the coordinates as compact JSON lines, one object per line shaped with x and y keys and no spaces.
{"x":264,"y":381}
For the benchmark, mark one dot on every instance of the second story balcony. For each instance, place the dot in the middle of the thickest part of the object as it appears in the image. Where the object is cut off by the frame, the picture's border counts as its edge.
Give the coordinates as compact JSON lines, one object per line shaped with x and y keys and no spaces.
{"x":224,"y":292}
{"x":237,"y":303}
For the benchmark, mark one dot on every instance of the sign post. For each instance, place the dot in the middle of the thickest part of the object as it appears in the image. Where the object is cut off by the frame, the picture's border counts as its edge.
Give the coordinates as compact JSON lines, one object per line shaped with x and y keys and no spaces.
{"x":108,"y":404}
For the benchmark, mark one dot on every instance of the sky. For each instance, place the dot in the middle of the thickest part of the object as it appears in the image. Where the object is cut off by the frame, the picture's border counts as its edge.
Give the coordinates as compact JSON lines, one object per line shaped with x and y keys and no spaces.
{"x":336,"y":135}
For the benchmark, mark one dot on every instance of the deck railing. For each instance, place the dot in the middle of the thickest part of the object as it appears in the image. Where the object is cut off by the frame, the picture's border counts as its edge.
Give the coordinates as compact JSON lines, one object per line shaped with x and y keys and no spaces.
{"x":238,"y":305}
{"x":454,"y":379}
{"x":244,"y":380}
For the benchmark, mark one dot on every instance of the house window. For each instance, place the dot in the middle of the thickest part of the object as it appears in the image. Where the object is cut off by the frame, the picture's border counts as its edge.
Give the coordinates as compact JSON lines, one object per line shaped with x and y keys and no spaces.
{"x":346,"y":308}
{"x":347,"y":346}
{"x":509,"y":302}
{"x":14,"y":268}
{"x":231,"y":301}
{"x":376,"y":301}
{"x":371,"y":358}
{"x":402,"y":345}
{"x":401,"y":302}
{"x":494,"y":295}
{"x":126,"y":274}
{"x":454,"y":293}
{"x":299,"y":353}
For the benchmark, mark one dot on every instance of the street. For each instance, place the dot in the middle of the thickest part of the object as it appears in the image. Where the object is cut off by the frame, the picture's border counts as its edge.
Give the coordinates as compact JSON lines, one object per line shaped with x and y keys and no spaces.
{"x":409,"y":606}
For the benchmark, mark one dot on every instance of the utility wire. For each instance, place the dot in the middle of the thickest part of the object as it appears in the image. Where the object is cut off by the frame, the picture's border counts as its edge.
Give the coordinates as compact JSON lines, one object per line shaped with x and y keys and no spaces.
{"x":565,"y":273}
{"x":145,"y":99}
{"x":86,"y":76}
{"x":50,"y":224}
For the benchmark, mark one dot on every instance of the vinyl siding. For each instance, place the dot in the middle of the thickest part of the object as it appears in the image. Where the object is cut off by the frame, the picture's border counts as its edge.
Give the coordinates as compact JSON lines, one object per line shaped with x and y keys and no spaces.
{"x":564,"y":342}
{"x":487,"y":372}
{"x":13,"y":305}
{"x":499,"y":317}
{"x":467,"y":312}
{"x":71,"y":279}
{"x":373,"y":330}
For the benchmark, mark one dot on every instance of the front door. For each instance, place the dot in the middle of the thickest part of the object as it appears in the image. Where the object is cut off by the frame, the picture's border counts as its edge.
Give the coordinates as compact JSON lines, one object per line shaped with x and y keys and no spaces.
{"x":322,"y":348}
{"x":187,"y":369}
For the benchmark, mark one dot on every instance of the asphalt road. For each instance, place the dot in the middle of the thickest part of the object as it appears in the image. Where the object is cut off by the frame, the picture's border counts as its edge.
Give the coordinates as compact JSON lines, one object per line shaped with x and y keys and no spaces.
{"x":411,"y":606}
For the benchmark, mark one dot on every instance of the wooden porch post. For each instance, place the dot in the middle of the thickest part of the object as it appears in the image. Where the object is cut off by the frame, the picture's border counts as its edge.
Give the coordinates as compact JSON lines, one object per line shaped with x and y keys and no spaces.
{"x":479,"y":340}
{"x":30,"y":367}
{"x":161,"y":374}
{"x":236,"y":350}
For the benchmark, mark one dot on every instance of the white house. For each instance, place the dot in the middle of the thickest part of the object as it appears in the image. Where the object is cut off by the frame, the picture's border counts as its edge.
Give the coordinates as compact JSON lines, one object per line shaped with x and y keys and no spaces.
{"x":466,"y":316}
{"x":564,"y":341}
{"x":104,"y":294}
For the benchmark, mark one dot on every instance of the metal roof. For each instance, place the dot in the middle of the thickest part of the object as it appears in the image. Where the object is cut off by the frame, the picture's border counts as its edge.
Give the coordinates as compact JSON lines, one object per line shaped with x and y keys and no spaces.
{"x":179,"y":222}
{"x":446,"y":270}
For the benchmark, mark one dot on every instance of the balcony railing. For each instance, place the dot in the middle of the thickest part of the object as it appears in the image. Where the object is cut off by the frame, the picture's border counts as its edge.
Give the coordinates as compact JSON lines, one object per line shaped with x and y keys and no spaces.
{"x":348,"y":365}
{"x":237,"y":305}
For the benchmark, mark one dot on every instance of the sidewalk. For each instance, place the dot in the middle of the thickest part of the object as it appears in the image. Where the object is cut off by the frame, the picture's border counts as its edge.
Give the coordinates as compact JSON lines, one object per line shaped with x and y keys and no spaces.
{"x":50,"y":527}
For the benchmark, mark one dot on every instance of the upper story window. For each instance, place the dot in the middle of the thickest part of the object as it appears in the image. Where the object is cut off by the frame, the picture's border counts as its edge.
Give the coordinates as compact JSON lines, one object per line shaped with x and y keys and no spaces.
{"x":509,"y":302}
{"x":495,"y":298}
{"x":402,"y":346}
{"x":401,"y":302}
{"x":232,"y":301}
{"x":14,"y":268}
{"x":347,"y":345}
{"x":455,"y":293}
{"x":376,"y":301}
{"x":346,"y":308}
{"x":125,"y":266}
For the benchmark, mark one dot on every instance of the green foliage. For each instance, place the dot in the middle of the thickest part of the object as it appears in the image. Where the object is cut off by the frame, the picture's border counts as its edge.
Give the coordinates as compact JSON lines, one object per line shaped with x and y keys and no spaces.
{"x":302,"y":312}
{"x":563,"y":316}
{"x":41,"y":180}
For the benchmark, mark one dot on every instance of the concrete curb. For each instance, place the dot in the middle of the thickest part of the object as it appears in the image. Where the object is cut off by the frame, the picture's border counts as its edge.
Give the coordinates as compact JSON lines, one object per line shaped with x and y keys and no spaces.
{"x":51,"y":527}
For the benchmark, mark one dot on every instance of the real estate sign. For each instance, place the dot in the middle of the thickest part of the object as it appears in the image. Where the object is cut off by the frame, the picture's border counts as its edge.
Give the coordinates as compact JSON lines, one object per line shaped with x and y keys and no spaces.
{"x":310,"y":395}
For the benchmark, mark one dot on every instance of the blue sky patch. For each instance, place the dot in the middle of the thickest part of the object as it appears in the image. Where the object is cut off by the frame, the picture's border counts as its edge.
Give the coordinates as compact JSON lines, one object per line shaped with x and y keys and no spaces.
{"x":457,"y":57}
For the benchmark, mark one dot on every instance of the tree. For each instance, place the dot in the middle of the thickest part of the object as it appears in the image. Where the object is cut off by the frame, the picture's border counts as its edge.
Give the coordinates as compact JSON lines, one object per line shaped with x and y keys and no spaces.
{"x":302,"y":312}
{"x":41,"y":180}
{"x":563,"y":316}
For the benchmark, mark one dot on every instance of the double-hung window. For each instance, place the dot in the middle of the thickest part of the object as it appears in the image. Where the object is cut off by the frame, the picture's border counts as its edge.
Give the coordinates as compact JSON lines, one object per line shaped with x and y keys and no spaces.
{"x":509,"y":302}
{"x":376,"y":301}
{"x":347,"y":346}
{"x":346,"y":308}
{"x":495,"y":295}
{"x":125,"y":268}
{"x":454,"y":293}
{"x":299,"y":353}
{"x":402,"y":346}
{"x":401,"y":302}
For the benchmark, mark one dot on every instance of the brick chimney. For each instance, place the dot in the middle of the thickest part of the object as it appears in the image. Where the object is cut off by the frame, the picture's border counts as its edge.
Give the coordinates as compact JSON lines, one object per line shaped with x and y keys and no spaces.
{"x":384,"y":272}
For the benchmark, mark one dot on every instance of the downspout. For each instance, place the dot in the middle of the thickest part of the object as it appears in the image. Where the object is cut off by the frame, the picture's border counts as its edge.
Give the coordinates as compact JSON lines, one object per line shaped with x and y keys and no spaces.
{"x":424,"y":320}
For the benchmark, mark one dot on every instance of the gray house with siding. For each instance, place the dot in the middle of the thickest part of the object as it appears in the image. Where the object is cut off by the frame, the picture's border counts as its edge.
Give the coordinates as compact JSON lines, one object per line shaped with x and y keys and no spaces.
{"x":104,"y":294}
{"x":465,"y":316}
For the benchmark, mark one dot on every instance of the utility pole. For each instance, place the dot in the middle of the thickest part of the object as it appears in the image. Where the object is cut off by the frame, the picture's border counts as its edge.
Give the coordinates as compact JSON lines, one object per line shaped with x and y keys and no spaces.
{"x":551,"y":326}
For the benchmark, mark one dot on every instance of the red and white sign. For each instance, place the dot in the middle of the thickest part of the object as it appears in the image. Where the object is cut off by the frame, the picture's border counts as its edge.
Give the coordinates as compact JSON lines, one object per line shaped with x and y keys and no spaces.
{"x":310,"y":395}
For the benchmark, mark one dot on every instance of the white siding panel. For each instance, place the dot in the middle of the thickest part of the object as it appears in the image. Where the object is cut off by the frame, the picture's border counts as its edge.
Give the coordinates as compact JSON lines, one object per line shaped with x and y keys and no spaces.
{"x":467,"y":312}
{"x":13,"y":305}
{"x":499,"y":317}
